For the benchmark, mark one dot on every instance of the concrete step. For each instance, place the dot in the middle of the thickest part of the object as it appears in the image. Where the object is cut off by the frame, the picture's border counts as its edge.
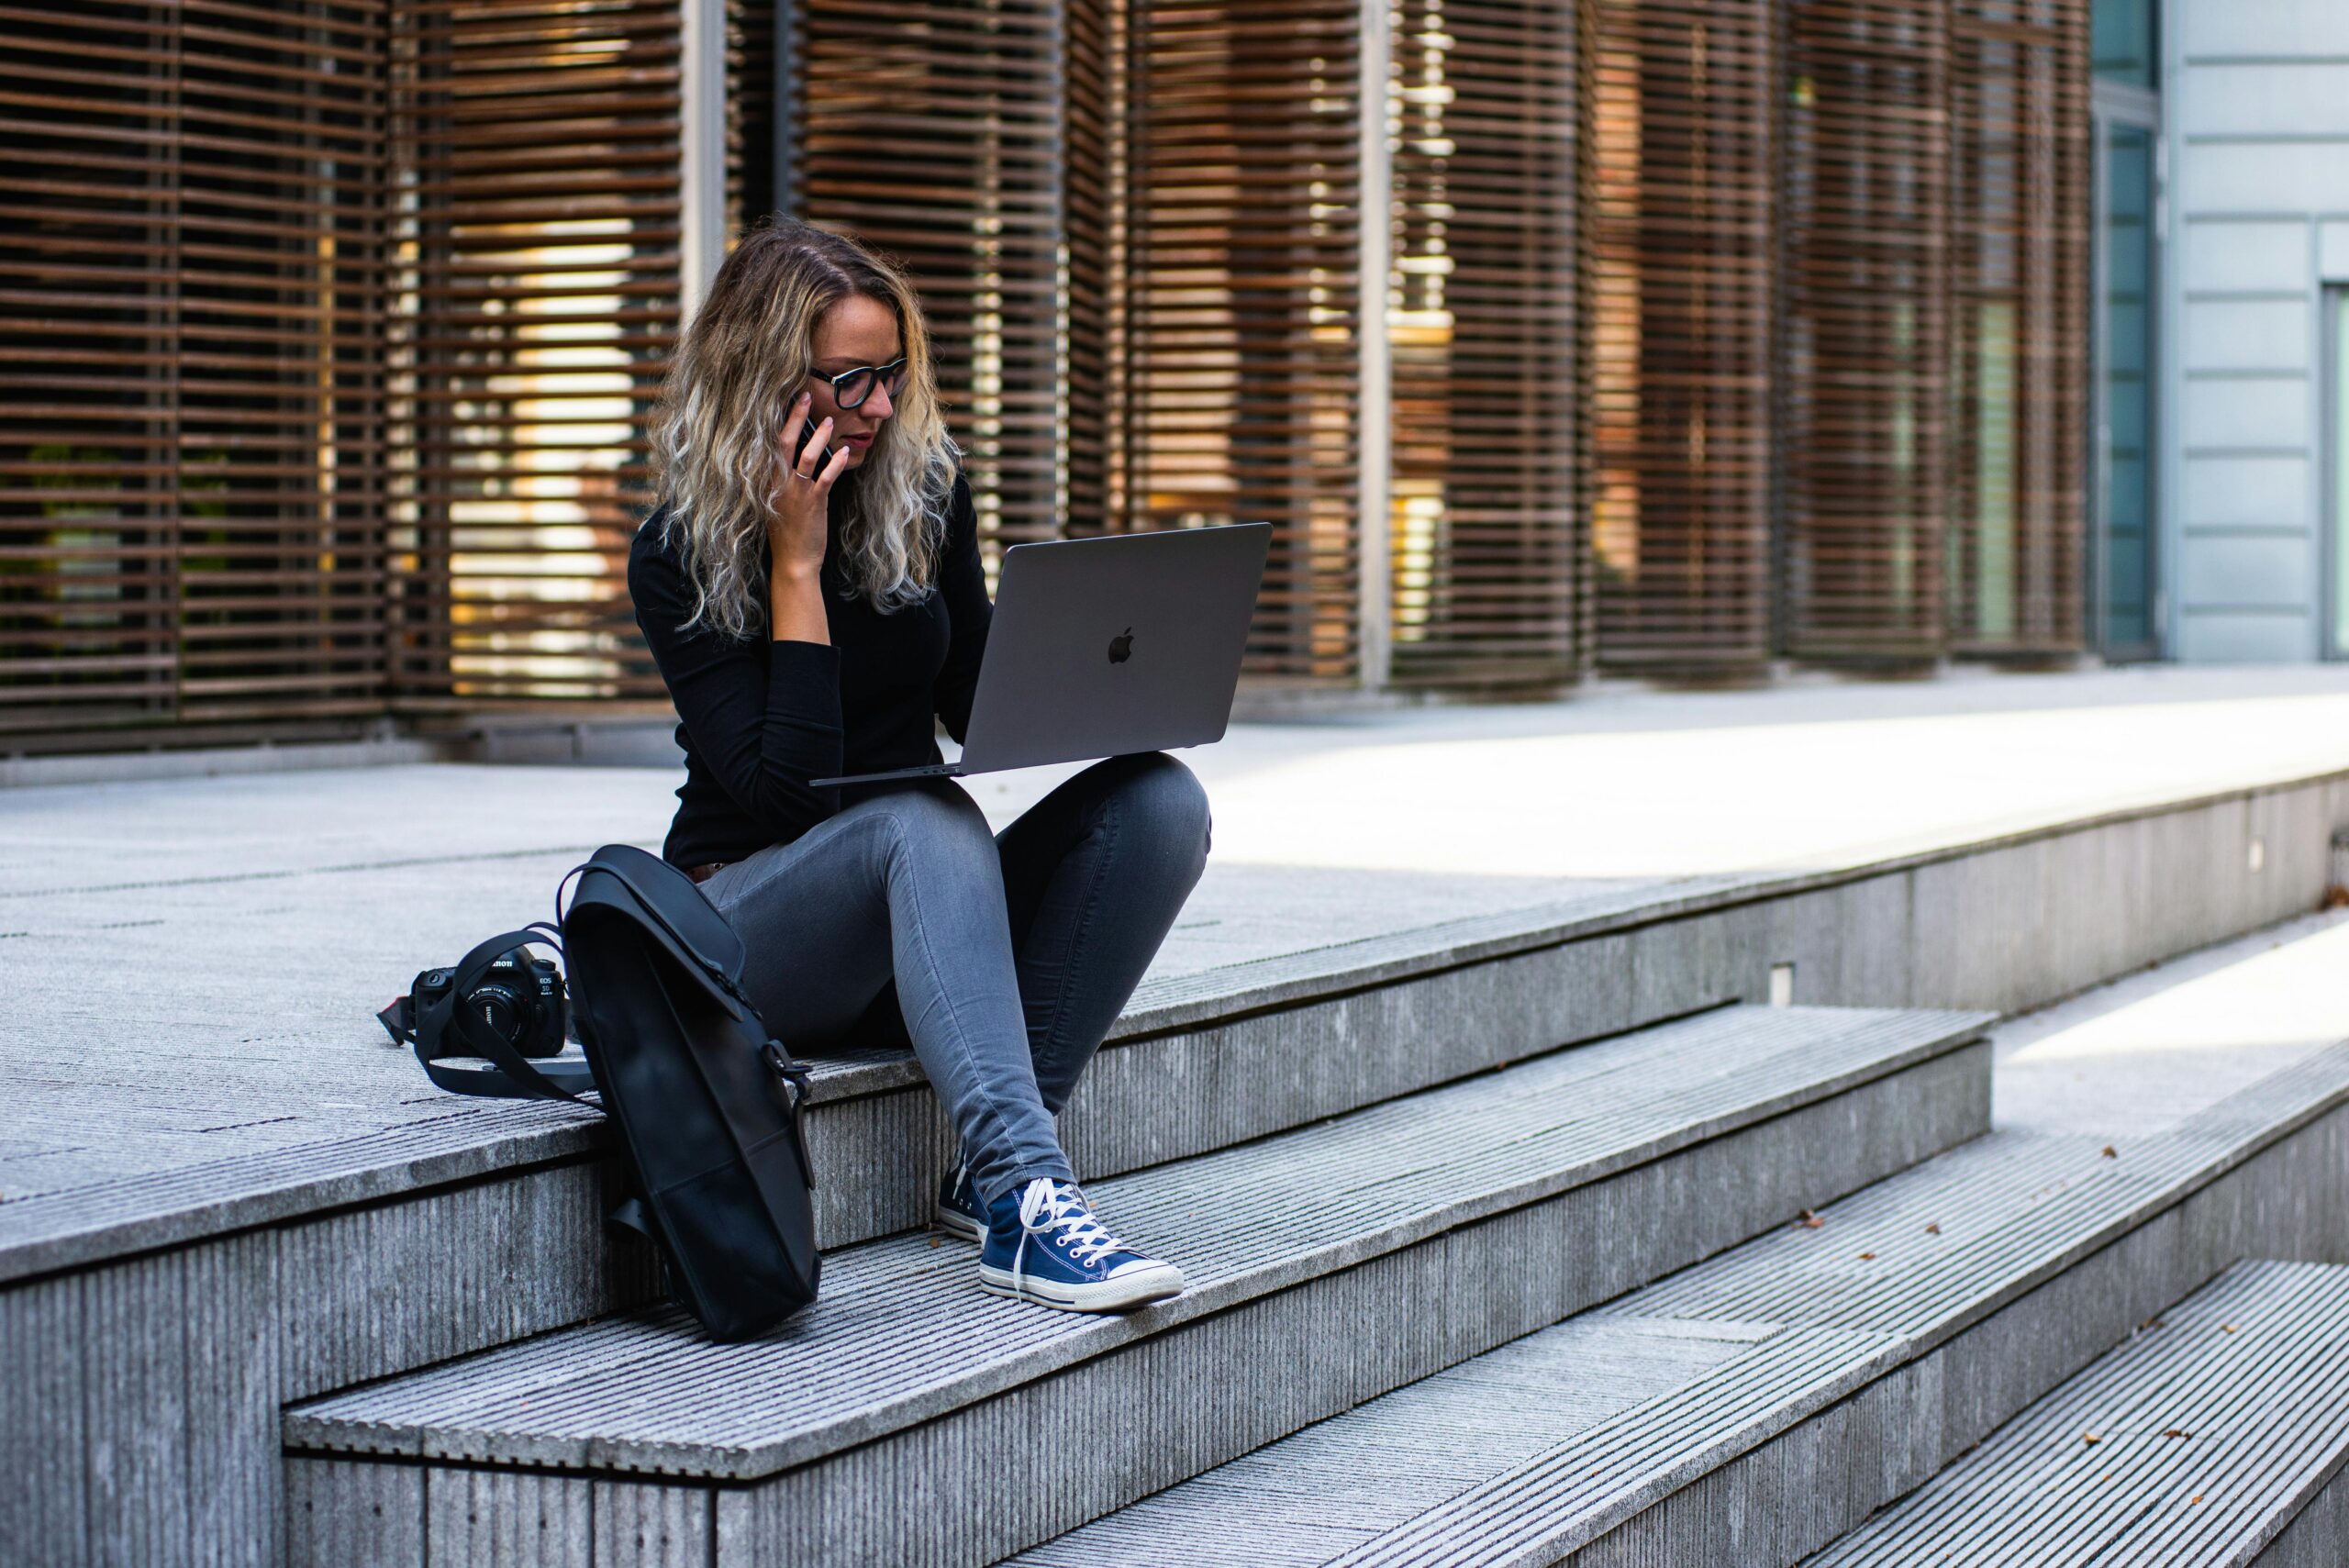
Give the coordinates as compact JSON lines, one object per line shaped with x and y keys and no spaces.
{"x":2214,"y":1438}
{"x":1327,"y":1265}
{"x":1752,"y":1408}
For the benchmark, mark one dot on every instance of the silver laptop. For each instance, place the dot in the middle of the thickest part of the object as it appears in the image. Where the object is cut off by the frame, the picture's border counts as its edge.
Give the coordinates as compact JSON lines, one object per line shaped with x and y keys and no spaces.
{"x":1101,"y":647}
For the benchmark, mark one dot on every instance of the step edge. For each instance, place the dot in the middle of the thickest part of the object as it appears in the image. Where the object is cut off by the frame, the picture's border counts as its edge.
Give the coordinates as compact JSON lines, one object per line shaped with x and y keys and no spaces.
{"x":304,"y":1429}
{"x":2109,"y":1369}
{"x":1575,"y":1533}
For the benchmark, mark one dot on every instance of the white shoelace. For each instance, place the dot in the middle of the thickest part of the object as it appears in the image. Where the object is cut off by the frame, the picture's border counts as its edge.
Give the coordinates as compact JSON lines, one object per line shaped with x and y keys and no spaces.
{"x":1046,"y":1205}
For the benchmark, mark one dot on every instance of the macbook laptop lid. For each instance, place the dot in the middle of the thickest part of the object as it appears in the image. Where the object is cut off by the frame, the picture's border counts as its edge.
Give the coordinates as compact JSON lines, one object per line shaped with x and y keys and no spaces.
{"x":1105,"y":646}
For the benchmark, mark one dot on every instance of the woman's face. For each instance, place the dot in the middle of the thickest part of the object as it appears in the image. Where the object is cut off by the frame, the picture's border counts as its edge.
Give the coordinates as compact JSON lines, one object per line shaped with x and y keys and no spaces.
{"x":854,"y":332}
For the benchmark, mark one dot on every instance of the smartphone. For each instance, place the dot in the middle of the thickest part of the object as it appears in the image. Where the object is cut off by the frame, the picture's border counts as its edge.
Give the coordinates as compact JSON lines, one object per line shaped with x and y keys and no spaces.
{"x":806,"y":434}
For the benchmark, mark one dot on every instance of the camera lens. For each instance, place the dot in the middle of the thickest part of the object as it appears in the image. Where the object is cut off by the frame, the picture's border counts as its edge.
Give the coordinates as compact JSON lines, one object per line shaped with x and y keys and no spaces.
{"x":499,"y":1008}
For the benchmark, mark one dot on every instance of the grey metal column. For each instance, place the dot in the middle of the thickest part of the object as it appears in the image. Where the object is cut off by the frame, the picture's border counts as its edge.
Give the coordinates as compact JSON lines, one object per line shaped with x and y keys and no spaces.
{"x":1374,"y":410}
{"x":701,"y":138}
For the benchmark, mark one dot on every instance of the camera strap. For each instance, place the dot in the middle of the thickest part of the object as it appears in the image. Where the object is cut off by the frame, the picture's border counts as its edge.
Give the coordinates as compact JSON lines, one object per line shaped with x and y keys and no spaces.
{"x":441,"y":1024}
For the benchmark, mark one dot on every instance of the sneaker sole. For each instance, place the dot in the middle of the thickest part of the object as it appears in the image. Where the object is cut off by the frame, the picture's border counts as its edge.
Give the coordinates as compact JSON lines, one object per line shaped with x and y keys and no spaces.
{"x":954,"y":1222}
{"x":1138,"y":1289}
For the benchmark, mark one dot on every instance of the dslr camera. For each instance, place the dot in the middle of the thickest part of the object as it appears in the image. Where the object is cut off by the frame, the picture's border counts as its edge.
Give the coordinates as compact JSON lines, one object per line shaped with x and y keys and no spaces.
{"x":522,"y":998}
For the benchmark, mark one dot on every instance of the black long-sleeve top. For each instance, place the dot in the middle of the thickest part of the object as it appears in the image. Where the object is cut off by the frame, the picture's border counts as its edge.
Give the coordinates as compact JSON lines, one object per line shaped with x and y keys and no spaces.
{"x":760,"y":719}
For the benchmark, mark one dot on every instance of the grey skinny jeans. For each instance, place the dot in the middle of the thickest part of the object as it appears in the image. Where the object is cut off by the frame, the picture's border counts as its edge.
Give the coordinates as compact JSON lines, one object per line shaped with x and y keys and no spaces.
{"x":1002,"y":961}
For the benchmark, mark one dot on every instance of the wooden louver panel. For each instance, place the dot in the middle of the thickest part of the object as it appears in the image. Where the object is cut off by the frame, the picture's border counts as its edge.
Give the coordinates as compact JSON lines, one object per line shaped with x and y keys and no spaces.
{"x":2019,"y":88}
{"x":1682,"y":115}
{"x":1243,"y":308}
{"x":1863,"y":411}
{"x":538,"y":253}
{"x":190,"y":462}
{"x":750,"y":109}
{"x":1481,"y":326}
{"x":1091,"y":404}
{"x":931,"y":131}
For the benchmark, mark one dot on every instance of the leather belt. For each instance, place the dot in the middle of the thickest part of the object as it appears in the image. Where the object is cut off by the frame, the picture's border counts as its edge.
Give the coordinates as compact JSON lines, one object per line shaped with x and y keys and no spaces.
{"x":703,"y":874}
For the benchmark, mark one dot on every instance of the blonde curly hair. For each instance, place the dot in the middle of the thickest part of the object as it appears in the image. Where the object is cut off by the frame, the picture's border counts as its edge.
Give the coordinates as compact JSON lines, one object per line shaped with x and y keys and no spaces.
{"x":722,"y":410}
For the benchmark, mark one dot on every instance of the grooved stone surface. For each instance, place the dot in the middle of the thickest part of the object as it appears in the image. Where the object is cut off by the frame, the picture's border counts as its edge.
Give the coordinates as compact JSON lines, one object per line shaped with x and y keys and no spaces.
{"x":241,"y":1081}
{"x":1804,"y":1337}
{"x":2211,"y":1432}
{"x":902,"y":1335}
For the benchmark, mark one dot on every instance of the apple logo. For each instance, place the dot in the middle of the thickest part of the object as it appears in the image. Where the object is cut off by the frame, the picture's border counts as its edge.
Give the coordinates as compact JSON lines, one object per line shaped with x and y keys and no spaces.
{"x":1121,"y":647}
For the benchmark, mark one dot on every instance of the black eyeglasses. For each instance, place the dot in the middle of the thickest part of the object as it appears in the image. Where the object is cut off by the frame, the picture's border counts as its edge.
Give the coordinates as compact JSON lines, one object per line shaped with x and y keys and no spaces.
{"x":850,"y":388}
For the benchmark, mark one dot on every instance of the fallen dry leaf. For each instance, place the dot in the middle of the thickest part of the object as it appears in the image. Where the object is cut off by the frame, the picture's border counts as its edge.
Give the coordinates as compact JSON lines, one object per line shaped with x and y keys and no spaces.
{"x":2150,"y":1323}
{"x":2336,"y":897}
{"x":2226,"y":1328}
{"x":2110,"y":1152}
{"x":2198,"y":1496}
{"x":2090,"y":1438}
{"x":937,"y":1240}
{"x":1867,"y":1256}
{"x":2173,"y":1432}
{"x":1934,"y":1228}
{"x":1809,"y":1221}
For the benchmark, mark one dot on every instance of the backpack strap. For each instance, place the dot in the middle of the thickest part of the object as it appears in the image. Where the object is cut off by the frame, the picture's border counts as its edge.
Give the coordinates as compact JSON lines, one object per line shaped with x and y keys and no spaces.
{"x":651,"y":908}
{"x":511,"y":1075}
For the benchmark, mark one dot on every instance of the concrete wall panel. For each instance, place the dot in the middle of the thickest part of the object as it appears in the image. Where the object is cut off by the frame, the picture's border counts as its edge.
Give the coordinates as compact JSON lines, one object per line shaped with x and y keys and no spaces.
{"x":2273,"y":334}
{"x":2257,"y":110}
{"x":2261,"y":256}
{"x":2239,"y":571}
{"x":2220,"y":30}
{"x":2302,"y":94}
{"x":2238,"y":492}
{"x":2228,"y":637}
{"x":2262,"y":179}
{"x":2251,"y":411}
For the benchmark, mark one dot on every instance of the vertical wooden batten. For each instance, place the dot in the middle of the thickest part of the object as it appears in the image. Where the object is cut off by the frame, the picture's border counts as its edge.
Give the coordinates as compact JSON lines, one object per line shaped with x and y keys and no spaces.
{"x":1684,"y":287}
{"x":2020,"y":333}
{"x":192,"y":444}
{"x":540,"y":243}
{"x":933,"y":133}
{"x":1245,"y":297}
{"x":1864,"y":403}
{"x":1485,"y":525}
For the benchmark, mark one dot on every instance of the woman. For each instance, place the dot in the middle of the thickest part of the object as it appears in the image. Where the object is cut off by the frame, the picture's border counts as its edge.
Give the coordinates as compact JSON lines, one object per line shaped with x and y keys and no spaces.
{"x":811,"y":590}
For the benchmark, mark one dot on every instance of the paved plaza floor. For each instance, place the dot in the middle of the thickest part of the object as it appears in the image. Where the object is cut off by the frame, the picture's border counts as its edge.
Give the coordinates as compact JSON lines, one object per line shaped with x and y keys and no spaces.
{"x":189,"y":966}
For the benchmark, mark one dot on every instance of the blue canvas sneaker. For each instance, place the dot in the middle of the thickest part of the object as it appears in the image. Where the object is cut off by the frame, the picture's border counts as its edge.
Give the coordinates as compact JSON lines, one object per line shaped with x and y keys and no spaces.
{"x":1043,"y":1245}
{"x":959,"y":1211}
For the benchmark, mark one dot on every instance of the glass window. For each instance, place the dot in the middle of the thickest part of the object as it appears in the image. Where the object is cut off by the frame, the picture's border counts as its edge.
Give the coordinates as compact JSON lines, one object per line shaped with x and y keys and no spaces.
{"x":2337,"y":503}
{"x":2124,"y":41}
{"x":2125,"y":426}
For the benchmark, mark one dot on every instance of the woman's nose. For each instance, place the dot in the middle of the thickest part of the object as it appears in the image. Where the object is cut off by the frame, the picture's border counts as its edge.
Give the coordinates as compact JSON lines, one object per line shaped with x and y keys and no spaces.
{"x":876,"y":404}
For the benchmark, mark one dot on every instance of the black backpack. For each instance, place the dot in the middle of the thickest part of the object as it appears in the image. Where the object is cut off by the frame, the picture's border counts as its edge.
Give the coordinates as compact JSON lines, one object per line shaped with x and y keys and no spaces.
{"x":708,"y":1103}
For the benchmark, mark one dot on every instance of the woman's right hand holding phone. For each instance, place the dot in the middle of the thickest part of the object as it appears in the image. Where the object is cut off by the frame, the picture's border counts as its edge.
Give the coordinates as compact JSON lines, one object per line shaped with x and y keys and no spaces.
{"x":797,"y":526}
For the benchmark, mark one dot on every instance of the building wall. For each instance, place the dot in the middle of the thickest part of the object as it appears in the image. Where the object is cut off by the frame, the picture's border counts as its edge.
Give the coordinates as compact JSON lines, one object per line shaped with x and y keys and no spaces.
{"x":2256,"y":99}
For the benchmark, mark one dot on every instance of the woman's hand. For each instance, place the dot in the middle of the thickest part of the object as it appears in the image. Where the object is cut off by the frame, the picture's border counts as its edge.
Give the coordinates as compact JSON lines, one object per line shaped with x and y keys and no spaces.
{"x":802,"y":494}
{"x":795,"y":530}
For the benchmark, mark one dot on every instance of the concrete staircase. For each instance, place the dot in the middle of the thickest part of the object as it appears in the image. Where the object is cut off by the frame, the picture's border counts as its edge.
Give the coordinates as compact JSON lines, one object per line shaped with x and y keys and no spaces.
{"x":2216,"y":1435}
{"x":394,"y":1331}
{"x":1752,"y":1408}
{"x":1328,"y":1263}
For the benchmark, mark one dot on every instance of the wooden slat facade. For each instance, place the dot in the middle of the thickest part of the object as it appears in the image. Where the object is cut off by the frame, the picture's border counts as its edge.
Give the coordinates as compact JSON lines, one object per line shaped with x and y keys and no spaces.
{"x":932,"y":132}
{"x":1243,"y":305}
{"x":1863,"y":410}
{"x":1683,"y":284}
{"x":1485,"y":529}
{"x":1715,"y":332}
{"x":1091,"y":407}
{"x":191,"y":439}
{"x":537,"y":250}
{"x":2020,"y":299}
